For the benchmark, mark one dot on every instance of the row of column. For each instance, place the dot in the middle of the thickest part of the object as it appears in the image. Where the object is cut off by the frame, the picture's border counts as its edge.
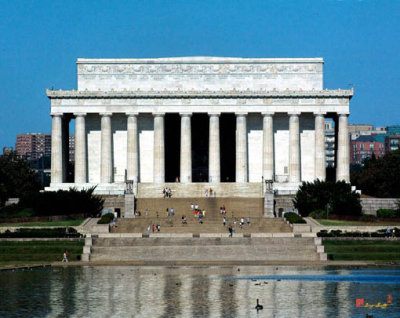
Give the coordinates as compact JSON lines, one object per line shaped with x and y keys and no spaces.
{"x":106,"y":169}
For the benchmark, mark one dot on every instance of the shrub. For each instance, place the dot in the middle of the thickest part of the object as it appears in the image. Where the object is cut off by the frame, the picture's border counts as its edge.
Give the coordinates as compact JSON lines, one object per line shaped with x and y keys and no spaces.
{"x":387,"y":213}
{"x":63,"y":202}
{"x":106,"y":218}
{"x":318,"y":214}
{"x":293,"y":218}
{"x":36,"y":233}
{"x":319,"y":195}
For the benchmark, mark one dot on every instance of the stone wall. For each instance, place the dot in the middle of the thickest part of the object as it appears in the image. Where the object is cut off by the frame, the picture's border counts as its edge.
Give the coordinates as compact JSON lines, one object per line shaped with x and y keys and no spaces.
{"x":284,"y":202}
{"x":371,"y":205}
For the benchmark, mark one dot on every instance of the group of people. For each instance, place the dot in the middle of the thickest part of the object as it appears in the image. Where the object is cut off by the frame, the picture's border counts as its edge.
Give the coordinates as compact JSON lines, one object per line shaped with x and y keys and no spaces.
{"x":390,"y":232}
{"x":198,"y":213}
{"x":222,"y":210}
{"x":167,"y":192}
{"x":170,"y":212}
{"x":153,"y":228}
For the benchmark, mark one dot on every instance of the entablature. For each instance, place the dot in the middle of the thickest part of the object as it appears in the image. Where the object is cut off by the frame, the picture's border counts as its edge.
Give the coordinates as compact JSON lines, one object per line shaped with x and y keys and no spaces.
{"x":198,"y":94}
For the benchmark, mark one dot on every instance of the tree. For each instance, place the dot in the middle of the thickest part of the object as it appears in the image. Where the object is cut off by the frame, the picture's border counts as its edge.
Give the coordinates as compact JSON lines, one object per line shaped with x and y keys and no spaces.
{"x":16,"y":177}
{"x":319,"y":195}
{"x":380,"y":177}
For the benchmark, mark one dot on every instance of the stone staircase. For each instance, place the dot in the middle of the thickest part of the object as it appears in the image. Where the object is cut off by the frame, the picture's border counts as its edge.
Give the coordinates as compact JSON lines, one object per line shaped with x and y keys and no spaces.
{"x":236,"y":207}
{"x":209,"y":225}
{"x":204,"y":249}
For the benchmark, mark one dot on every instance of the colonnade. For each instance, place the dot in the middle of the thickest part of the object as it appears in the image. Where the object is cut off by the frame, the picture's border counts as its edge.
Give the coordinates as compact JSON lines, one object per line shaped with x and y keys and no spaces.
{"x":106,"y":169}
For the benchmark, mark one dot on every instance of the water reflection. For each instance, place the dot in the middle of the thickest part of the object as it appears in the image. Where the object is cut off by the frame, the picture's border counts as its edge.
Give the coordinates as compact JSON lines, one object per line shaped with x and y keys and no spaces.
{"x":197,"y":292}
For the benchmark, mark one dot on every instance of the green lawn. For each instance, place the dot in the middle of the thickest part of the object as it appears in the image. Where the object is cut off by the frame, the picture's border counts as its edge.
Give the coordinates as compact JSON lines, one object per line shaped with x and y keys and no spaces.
{"x":37,"y":252}
{"x":365,"y":250}
{"x":354,"y":223}
{"x":51,"y":223}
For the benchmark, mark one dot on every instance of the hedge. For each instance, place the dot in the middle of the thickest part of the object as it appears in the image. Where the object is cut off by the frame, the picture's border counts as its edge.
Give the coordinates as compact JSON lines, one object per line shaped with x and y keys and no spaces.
{"x":42,"y":233}
{"x":293,"y":218}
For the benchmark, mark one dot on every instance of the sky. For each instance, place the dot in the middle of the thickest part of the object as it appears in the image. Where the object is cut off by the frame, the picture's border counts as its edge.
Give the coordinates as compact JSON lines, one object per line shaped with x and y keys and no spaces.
{"x":41,"y":40}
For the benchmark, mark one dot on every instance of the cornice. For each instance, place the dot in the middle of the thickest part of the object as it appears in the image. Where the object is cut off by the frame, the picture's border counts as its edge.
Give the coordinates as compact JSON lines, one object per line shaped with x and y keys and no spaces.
{"x":140,"y":94}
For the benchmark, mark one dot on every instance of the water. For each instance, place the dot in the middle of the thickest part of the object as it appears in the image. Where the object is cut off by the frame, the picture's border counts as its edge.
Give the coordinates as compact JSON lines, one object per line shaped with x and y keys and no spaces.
{"x":198,"y":292}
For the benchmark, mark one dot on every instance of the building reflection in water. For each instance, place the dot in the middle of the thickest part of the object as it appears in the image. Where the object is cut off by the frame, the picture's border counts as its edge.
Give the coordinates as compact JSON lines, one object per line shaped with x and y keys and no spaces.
{"x":190,"y":292}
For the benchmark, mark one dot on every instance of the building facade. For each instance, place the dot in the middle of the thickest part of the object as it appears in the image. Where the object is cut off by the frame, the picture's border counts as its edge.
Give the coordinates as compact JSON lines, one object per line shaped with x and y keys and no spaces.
{"x":33,"y":145}
{"x":365,"y":147}
{"x":219,"y":120}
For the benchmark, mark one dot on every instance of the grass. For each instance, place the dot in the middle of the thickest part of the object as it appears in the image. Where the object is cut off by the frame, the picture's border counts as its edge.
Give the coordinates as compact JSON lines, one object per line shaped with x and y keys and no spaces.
{"x":37,"y":252}
{"x":363,"y":250}
{"x":76,"y":222}
{"x":354,"y":223}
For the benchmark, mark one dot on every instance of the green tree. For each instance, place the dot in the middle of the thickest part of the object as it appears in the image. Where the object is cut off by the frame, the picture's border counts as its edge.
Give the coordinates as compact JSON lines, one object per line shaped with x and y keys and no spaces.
{"x":380,"y":177}
{"x":16,"y":177}
{"x":319,"y":195}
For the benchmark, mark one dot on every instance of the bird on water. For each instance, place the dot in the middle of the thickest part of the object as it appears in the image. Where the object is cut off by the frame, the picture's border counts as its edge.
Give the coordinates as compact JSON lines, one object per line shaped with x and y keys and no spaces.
{"x":258,"y":306}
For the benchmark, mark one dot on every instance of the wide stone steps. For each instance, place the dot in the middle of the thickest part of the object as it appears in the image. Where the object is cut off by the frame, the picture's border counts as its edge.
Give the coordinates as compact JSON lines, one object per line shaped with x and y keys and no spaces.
{"x":204,"y":249}
{"x":235,"y":207}
{"x":215,"y":225}
{"x":155,"y":241}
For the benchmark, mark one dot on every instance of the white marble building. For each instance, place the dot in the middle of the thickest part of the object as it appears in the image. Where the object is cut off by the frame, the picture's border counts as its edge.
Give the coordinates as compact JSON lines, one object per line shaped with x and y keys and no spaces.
{"x":122,"y":108}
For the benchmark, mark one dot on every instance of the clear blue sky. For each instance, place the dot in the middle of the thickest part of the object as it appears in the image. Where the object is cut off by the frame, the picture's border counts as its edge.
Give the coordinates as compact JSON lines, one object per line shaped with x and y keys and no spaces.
{"x":41,"y":40}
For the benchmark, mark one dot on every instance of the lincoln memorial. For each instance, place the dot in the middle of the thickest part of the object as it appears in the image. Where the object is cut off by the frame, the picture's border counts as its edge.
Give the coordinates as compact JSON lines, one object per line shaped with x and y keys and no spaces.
{"x":196,"y":122}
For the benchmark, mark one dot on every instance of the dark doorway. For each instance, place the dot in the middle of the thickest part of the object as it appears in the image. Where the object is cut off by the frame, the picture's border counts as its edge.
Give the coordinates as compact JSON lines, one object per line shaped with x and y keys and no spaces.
{"x":227,"y":130}
{"x":172,"y":146}
{"x":200,"y":132}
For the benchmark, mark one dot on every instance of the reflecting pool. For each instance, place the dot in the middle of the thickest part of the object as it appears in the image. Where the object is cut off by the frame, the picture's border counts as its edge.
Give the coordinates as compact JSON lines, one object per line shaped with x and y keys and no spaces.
{"x":284,"y":291}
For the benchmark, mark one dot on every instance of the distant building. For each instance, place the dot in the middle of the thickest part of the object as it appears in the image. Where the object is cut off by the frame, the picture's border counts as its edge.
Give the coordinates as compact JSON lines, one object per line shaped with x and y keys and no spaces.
{"x":356,"y":131}
{"x":392,"y":142}
{"x":329,"y":143}
{"x":7,"y":150}
{"x":365,"y":146}
{"x":34,"y":146}
{"x":393,"y":130}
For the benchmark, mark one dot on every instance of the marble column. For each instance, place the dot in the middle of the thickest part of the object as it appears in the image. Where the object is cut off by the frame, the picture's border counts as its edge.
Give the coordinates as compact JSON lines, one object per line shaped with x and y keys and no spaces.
{"x":294,"y":147}
{"x":159,"y":149}
{"x":214,"y":156}
{"x":80,"y":149}
{"x":268,"y":146}
{"x":320,"y":169}
{"x":56,"y":148}
{"x":186,"y":148}
{"x":106,"y":167}
{"x":343,"y":159}
{"x":132,"y":160}
{"x":241,"y":147}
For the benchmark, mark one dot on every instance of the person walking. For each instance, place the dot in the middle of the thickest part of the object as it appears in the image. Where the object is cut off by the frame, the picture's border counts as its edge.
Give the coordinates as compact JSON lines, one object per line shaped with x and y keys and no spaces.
{"x":148,"y":229}
{"x":65,"y":257}
{"x":191,"y":206}
{"x":230,"y":231}
{"x":147,"y":212}
{"x":172,"y":211}
{"x":248,"y":221}
{"x":224,"y":221}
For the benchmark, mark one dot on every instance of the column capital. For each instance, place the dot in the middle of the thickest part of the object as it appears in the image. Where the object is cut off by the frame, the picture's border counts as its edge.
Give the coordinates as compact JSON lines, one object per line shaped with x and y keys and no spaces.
{"x":55,"y":114}
{"x":80,"y":114}
{"x":186,"y":114}
{"x":214,"y":114}
{"x":129,"y":114}
{"x":106,"y":114}
{"x":343,"y":113}
{"x":294,"y":113}
{"x":319,"y":113}
{"x":159,"y":114}
{"x":268,"y":113}
{"x":241,"y":113}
